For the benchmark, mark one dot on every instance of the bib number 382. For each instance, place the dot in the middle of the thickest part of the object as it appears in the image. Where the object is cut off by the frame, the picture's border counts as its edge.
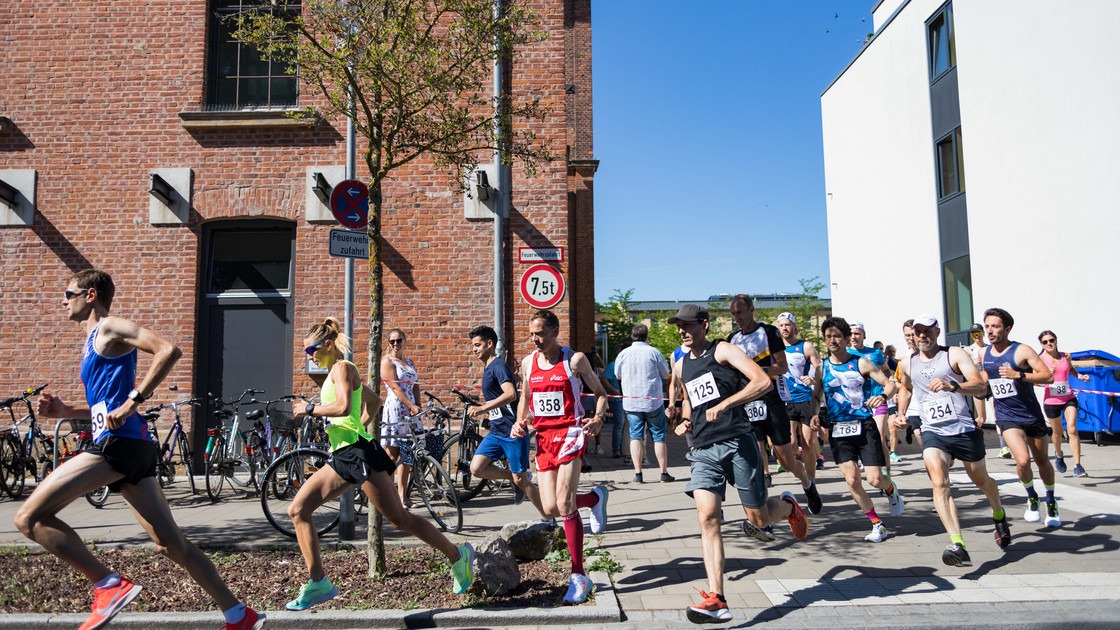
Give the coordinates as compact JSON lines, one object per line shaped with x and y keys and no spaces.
{"x":99,"y":420}
{"x":1002,"y":387}
{"x":548,"y":404}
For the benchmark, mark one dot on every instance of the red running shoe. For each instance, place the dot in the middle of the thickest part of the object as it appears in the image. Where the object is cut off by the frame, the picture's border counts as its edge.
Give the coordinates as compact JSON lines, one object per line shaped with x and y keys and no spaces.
{"x":712,"y":610}
{"x":107,"y":602}
{"x":251,"y":621}
{"x":798,"y":524}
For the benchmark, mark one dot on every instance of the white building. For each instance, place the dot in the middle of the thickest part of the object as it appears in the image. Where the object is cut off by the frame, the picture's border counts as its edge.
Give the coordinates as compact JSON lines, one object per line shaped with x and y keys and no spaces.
{"x":972,"y":151}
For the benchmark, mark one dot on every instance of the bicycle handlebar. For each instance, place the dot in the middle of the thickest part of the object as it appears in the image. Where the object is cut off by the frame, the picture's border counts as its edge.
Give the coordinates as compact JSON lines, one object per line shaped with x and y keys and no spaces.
{"x":432,"y":397}
{"x":31,"y":391}
{"x":466,"y":398}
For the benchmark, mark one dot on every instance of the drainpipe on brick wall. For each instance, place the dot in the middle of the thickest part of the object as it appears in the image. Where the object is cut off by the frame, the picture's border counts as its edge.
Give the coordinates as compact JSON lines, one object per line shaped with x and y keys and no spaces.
{"x":503,"y":200}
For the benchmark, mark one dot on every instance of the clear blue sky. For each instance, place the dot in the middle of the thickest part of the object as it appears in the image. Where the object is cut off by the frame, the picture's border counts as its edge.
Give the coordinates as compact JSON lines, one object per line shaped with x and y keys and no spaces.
{"x":707,"y":123}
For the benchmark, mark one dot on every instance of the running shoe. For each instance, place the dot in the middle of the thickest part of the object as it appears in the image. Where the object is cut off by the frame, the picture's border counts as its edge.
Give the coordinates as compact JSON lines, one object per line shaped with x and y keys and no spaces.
{"x":769,"y":480}
{"x":895,"y":458}
{"x":1005,"y":452}
{"x":598,"y":450}
{"x":313,"y":593}
{"x":798,"y":524}
{"x":462,"y":570}
{"x":1003,"y":533}
{"x":1032,"y":515}
{"x":637,"y":477}
{"x":579,"y":587}
{"x":599,"y":511}
{"x":109,"y":601}
{"x":1078,"y":471}
{"x":518,"y":495}
{"x":666,"y":477}
{"x":813,"y":499}
{"x":765,"y":534}
{"x":616,"y":454}
{"x":251,"y":621}
{"x":878,"y":533}
{"x":820,"y":461}
{"x":955,"y":555}
{"x":781,"y":469}
{"x":1060,"y":463}
{"x":712,"y":609}
{"x":897,"y":504}
{"x":1052,"y":517}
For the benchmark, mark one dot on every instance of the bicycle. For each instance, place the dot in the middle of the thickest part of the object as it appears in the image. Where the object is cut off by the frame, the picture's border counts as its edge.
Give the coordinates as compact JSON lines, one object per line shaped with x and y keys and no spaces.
{"x":20,"y":457}
{"x":228,"y":453}
{"x":271,"y":434}
{"x":461,"y":447}
{"x":84,"y":441}
{"x":429,"y":478}
{"x":176,"y":442}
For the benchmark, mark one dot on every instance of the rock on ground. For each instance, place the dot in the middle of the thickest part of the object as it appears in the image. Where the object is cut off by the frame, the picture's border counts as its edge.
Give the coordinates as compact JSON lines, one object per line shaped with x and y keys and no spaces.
{"x":533,"y":540}
{"x":495,"y":569}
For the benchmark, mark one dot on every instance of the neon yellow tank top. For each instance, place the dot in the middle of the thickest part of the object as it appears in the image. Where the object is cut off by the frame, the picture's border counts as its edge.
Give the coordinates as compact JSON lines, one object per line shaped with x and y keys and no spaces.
{"x":344,"y":430}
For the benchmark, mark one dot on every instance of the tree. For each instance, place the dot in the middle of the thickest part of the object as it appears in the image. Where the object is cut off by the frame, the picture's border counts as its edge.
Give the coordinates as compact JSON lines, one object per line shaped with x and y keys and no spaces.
{"x":617,"y":319}
{"x":807,"y":307}
{"x":419,"y":75}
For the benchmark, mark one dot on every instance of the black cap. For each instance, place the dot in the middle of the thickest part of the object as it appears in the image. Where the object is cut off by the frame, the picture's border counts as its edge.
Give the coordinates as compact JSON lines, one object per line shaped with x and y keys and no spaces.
{"x":976,"y":328}
{"x":689,"y":314}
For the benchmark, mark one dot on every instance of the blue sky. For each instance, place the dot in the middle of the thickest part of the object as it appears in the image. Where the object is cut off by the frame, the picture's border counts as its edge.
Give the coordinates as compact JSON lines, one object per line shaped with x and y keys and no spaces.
{"x":708,"y":131}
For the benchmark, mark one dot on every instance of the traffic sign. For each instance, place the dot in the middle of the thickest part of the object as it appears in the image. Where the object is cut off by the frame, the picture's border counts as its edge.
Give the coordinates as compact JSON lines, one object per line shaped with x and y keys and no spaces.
{"x":542,"y":286}
{"x":350,"y":204}
{"x":349,"y":244}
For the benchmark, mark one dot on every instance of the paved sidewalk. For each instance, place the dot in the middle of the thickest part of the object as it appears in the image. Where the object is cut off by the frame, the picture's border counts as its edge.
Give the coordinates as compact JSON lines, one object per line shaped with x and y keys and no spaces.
{"x":1072,"y":571}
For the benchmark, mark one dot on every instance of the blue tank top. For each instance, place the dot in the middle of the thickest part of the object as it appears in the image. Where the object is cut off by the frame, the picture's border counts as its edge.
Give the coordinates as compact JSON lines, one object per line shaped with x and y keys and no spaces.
{"x":107,"y":383}
{"x":875,"y":356}
{"x":844,"y":390}
{"x":1012,"y":399}
{"x":795,"y":359}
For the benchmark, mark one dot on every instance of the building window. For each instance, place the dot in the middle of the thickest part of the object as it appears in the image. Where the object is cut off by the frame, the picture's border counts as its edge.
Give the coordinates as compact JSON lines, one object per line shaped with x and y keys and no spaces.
{"x":950,"y":164}
{"x":942,"y":49}
{"x":250,"y":260}
{"x":958,"y":294}
{"x":240,"y":77}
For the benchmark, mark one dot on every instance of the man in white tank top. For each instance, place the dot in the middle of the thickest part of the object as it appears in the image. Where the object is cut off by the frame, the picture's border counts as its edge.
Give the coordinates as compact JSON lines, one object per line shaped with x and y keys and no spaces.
{"x":936,"y":380}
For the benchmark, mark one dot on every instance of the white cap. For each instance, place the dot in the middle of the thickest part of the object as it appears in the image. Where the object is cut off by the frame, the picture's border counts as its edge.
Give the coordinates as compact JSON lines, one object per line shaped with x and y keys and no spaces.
{"x":929,"y":321}
{"x":786,"y":315}
{"x":858,"y":324}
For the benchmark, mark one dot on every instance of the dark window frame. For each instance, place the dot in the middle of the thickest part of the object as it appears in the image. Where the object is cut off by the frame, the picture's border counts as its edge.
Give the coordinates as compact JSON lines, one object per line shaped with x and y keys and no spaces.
{"x":943,"y":16}
{"x":235,"y":84}
{"x":956,"y":141}
{"x":957,"y":319}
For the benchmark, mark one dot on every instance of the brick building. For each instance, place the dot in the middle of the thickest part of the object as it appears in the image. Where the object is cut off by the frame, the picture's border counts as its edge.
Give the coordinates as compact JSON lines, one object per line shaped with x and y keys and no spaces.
{"x":98,"y":96}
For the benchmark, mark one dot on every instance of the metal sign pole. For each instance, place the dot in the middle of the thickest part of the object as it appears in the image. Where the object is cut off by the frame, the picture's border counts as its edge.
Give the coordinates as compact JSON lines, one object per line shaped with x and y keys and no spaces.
{"x":346,"y":502}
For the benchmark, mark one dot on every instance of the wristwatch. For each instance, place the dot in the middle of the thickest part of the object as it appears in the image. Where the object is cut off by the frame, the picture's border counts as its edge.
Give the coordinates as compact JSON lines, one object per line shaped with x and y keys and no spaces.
{"x":136,"y":397}
{"x":954,"y":386}
{"x":309,"y":409}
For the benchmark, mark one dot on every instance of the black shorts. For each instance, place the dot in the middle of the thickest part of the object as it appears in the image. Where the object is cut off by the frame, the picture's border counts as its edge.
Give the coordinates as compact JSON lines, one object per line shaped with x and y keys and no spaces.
{"x":359,"y":461}
{"x":967,"y":446}
{"x":799,"y":412}
{"x":775,"y":426}
{"x":914,"y":422}
{"x":1033,"y":429}
{"x":133,"y":458}
{"x":1055,"y":411}
{"x":865,"y":448}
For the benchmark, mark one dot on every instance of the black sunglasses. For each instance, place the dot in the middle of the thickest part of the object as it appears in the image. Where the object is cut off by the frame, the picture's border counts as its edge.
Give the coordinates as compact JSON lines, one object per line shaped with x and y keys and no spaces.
{"x":1049,"y":341}
{"x":70,"y":295}
{"x":394,"y":342}
{"x":310,"y":350}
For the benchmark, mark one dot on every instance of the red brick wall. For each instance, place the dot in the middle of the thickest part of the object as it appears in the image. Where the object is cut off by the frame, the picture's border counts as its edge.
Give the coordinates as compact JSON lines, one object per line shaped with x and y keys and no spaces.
{"x":94,"y":91}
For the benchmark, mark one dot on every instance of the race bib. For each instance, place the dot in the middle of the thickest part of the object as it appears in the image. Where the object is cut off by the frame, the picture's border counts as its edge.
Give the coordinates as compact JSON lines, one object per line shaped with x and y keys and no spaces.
{"x":1059,"y":388}
{"x":937,"y":409}
{"x":1002,"y":387}
{"x":495,"y":413}
{"x":756,"y":410}
{"x":548,"y":404}
{"x":848,"y":428}
{"x":702,"y":389}
{"x":783,"y":389}
{"x":99,"y":420}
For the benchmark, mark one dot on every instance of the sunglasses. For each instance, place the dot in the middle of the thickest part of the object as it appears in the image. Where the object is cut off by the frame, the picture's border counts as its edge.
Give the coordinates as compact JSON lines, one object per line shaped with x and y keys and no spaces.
{"x":310,"y":350}
{"x":70,"y":295}
{"x":394,"y":342}
{"x":1049,"y":341}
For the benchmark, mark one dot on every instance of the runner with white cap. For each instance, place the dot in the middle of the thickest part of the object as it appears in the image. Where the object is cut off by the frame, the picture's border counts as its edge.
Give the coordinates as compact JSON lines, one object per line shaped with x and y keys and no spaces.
{"x":803,"y":365}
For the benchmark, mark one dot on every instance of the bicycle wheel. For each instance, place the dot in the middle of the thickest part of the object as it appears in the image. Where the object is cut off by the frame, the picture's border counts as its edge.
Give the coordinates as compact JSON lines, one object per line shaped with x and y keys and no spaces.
{"x":283,"y":479}
{"x":165,"y":472}
{"x":185,"y":457}
{"x":11,"y":466}
{"x":215,"y":467}
{"x":438,"y":493}
{"x":98,"y":497}
{"x":471,"y":484}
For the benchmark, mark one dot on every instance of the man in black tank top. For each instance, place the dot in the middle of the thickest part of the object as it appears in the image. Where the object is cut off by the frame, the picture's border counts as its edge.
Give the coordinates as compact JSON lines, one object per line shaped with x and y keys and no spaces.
{"x":718,"y":380}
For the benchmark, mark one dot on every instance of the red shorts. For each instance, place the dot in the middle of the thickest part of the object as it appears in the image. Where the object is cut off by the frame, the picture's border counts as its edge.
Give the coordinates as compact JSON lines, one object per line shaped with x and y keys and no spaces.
{"x":558,"y":446}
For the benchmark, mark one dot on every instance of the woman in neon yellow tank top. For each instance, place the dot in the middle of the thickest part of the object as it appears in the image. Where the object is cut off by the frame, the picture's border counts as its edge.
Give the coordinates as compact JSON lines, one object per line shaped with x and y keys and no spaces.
{"x":356,"y":459}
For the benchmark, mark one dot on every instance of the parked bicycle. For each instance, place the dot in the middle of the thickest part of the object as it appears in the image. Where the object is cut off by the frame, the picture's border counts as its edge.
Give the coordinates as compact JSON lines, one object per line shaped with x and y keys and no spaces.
{"x":228,"y":452}
{"x":460,"y":448}
{"x":175,"y":446}
{"x":272,"y":433}
{"x":31,"y":455}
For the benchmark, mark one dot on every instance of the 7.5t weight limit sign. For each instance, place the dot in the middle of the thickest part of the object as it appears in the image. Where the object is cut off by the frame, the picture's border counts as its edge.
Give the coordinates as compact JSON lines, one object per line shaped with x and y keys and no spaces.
{"x":542,"y":286}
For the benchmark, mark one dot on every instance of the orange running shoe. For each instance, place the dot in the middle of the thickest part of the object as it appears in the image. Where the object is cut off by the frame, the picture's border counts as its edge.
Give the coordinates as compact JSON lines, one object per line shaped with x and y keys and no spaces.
{"x":712,"y":610}
{"x":798,"y":524}
{"x":107,"y":602}
{"x":251,"y":621}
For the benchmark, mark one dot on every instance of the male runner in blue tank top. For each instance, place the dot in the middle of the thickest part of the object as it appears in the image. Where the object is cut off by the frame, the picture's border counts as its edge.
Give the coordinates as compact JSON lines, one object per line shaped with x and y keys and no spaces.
{"x":123,"y":457}
{"x":804,"y":364}
{"x":1011,"y":370}
{"x":939,"y":378}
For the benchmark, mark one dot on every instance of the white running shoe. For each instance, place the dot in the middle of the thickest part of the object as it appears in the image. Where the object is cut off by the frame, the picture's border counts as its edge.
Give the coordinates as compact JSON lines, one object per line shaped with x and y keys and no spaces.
{"x":599,"y":511}
{"x":878,"y":533}
{"x":897,"y":504}
{"x":1032,"y":515}
{"x":1052,"y":517}
{"x":579,"y":587}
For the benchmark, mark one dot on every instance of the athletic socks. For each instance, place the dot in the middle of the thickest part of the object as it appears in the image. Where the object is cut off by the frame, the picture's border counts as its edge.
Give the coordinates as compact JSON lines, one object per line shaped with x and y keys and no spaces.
{"x":808,"y":486}
{"x":957,"y":539}
{"x":235,"y":614}
{"x":873,"y":516}
{"x":586,"y":500}
{"x":573,"y":533}
{"x":1029,"y":486}
{"x":108,"y":581}
{"x":890,"y":490}
{"x":1049,"y":493}
{"x":999,"y":515}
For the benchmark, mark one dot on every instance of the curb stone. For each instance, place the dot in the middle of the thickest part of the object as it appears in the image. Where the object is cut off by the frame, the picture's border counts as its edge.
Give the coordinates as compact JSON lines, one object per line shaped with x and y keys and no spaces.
{"x":604,"y":610}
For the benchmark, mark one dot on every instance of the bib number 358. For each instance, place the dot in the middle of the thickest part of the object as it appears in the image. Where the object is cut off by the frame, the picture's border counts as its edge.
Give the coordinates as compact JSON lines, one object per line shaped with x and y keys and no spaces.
{"x":548,"y":404}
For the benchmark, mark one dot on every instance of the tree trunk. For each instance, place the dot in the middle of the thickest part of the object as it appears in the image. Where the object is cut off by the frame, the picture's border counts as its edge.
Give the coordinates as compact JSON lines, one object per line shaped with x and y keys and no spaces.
{"x":376,"y":531}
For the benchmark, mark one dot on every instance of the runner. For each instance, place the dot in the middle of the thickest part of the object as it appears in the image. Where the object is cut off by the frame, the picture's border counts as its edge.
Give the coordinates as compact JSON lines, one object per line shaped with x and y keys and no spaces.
{"x":854,"y":438}
{"x":804,"y":363}
{"x":859,"y":334}
{"x":676,"y":393}
{"x":981,"y":404}
{"x":940,"y":378}
{"x":123,"y":457}
{"x":1010,"y":369}
{"x":1061,"y":401}
{"x":767,"y":415}
{"x":356,"y":459}
{"x":498,"y":392}
{"x":550,"y":396}
{"x":912,"y":415}
{"x":724,"y":449}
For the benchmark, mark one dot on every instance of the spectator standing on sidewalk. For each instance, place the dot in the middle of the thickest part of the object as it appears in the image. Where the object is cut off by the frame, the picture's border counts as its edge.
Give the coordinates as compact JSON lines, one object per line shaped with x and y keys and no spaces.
{"x":614,"y":402}
{"x":642,"y":370}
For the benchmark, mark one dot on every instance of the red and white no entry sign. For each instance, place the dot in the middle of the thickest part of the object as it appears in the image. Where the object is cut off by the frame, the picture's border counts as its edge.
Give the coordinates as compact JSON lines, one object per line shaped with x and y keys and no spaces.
{"x":542,"y":286}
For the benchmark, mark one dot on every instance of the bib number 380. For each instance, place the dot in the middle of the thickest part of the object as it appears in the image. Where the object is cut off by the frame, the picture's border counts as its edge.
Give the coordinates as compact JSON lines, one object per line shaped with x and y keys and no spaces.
{"x":99,"y":420}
